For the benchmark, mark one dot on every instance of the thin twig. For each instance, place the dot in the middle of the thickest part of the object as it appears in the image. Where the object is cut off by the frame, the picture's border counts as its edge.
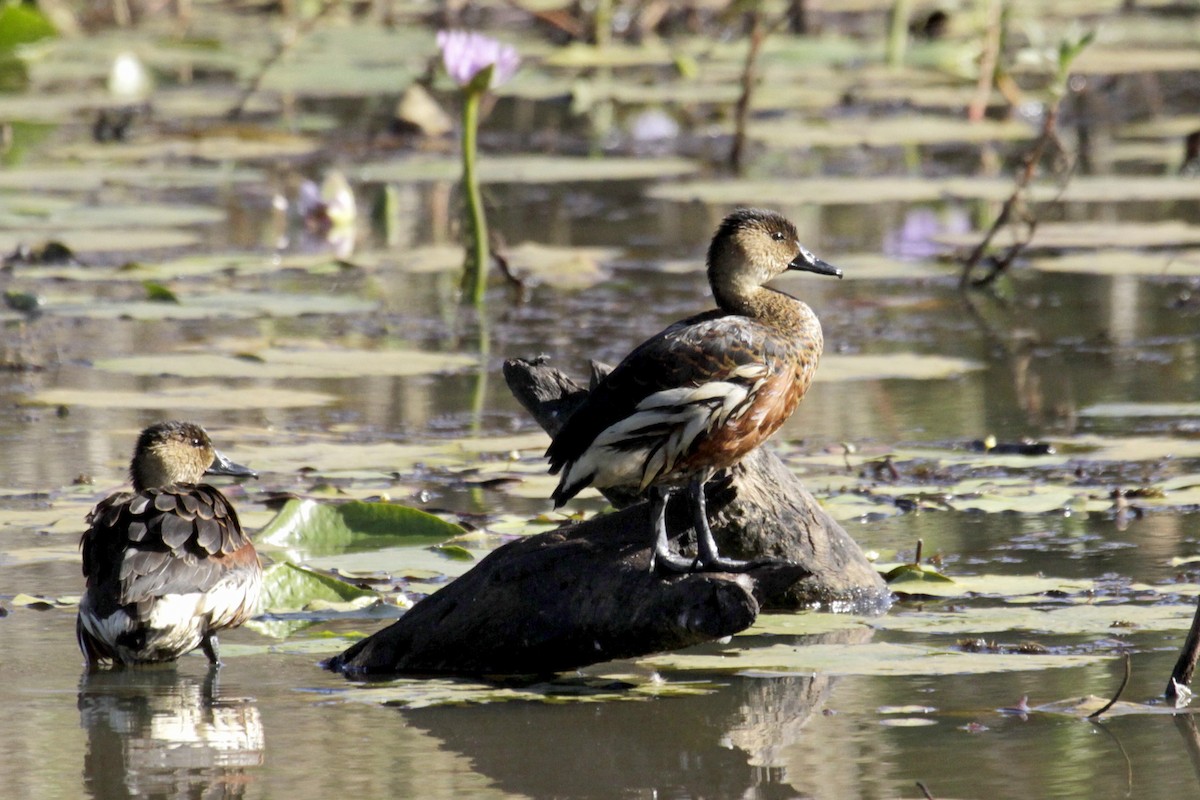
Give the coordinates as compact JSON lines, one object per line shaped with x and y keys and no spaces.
{"x":1047,"y":137}
{"x":1095,"y":715}
{"x":741,"y":111}
{"x":284,"y":46}
{"x":988,"y":61}
{"x":925,"y":791}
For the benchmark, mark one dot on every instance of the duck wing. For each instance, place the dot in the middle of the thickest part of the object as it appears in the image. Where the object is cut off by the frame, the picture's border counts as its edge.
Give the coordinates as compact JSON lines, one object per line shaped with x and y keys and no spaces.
{"x":174,"y":540}
{"x":701,"y":368}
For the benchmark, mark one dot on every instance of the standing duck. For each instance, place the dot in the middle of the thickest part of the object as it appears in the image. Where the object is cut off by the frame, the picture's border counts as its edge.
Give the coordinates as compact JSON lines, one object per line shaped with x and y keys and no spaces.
{"x":700,"y":395}
{"x":167,"y":565}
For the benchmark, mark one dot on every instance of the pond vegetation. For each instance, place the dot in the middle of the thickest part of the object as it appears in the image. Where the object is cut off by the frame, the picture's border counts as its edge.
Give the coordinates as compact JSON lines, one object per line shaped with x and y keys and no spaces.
{"x":230,"y":213}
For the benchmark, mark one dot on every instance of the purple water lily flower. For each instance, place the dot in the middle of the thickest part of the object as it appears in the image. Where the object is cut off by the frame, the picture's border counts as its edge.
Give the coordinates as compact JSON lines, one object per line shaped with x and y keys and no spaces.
{"x":467,"y":54}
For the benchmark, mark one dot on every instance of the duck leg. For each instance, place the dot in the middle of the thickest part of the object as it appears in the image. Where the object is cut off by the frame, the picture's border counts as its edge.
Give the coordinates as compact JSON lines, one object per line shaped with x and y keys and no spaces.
{"x":661,"y":556}
{"x":709,"y":559}
{"x":210,"y":648}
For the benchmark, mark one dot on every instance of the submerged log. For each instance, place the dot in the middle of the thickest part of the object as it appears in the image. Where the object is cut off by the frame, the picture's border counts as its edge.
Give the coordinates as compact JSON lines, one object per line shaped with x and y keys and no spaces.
{"x":561,"y":600}
{"x":585,"y":593}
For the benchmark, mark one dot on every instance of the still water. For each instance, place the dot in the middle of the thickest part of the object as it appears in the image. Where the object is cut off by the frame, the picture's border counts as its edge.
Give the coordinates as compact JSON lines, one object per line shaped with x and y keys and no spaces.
{"x":275,"y":725}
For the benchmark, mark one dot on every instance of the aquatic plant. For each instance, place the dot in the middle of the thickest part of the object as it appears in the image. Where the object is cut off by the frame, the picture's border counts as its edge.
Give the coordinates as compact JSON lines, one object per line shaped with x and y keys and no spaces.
{"x":476,"y":63}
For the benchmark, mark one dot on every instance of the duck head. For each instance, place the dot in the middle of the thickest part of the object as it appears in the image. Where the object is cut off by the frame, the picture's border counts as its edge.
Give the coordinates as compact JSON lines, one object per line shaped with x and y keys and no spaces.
{"x":752,"y":246}
{"x":178,"y":452}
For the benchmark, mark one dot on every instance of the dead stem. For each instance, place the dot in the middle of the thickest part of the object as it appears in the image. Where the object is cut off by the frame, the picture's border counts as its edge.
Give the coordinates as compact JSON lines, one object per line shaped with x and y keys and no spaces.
{"x":749,"y":79}
{"x":284,"y":46}
{"x":1014,"y":204}
{"x":1095,"y":715}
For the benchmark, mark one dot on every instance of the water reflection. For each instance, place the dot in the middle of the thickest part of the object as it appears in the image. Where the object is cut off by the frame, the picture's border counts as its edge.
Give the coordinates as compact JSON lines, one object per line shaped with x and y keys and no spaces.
{"x":729,"y":743}
{"x":152,"y":732}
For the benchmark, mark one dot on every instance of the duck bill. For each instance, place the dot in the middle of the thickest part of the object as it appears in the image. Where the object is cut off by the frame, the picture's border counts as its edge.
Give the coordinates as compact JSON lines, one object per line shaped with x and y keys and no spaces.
{"x":806,"y":262}
{"x":223,"y":466}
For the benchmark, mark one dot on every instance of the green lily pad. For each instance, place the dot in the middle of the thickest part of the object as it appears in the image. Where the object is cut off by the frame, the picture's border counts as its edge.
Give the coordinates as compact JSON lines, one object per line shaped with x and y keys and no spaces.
{"x":288,"y":587}
{"x":313,"y":528}
{"x":899,"y":578}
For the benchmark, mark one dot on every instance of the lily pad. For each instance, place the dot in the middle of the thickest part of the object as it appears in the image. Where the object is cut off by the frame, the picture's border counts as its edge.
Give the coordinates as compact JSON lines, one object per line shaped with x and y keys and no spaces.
{"x":885,"y":131}
{"x":875,"y":658}
{"x":85,"y":179}
{"x":34,"y":214}
{"x":1142,"y":410}
{"x":528,"y":169}
{"x":1071,"y":619}
{"x":322,"y":528}
{"x":907,"y":366}
{"x":215,"y":145}
{"x":288,"y":587}
{"x":209,"y":397}
{"x":278,"y":363}
{"x":1094,"y":235}
{"x":238,"y":305}
{"x":104,"y":240}
{"x":849,"y":190}
{"x":1122,"y":262}
{"x":414,"y":693}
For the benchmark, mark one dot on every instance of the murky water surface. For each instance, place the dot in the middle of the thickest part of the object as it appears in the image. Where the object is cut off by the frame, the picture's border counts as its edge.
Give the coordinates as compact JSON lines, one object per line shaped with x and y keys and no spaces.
{"x":1044,"y":362}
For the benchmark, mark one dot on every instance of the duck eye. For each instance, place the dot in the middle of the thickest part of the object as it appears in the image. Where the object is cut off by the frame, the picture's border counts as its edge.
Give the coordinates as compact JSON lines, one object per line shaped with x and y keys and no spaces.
{"x":197,"y":443}
{"x":778,"y":236}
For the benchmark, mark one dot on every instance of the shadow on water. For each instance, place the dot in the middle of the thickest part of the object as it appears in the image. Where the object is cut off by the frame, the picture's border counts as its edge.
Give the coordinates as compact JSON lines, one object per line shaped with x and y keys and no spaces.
{"x":152,"y":732}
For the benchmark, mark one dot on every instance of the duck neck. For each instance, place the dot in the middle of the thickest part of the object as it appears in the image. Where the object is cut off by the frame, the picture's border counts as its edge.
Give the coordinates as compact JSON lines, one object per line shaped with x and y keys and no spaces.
{"x":770,"y":306}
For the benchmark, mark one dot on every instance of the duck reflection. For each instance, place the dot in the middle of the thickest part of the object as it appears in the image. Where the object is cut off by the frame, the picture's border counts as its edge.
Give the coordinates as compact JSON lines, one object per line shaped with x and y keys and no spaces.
{"x":153,"y":732}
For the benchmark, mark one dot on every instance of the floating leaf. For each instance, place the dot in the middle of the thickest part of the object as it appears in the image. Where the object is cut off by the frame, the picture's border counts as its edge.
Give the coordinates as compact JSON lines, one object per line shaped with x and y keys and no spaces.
{"x":321,"y":528}
{"x":848,"y":190}
{"x":280,"y":363}
{"x":529,"y":169}
{"x":157,"y":293}
{"x":107,"y":240}
{"x":884,"y":131}
{"x":453,"y":552}
{"x":189,"y":397}
{"x":874,"y":658}
{"x":913,"y":573}
{"x":288,"y":587}
{"x":908,"y":366}
{"x":1093,"y":235}
{"x":1142,"y":410}
{"x":1122,"y":262}
{"x":25,"y":302}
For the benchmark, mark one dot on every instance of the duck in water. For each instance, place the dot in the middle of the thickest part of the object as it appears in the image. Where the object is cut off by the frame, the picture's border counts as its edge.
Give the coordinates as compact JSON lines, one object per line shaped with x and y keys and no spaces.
{"x":700,"y":395}
{"x":167,"y":565}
